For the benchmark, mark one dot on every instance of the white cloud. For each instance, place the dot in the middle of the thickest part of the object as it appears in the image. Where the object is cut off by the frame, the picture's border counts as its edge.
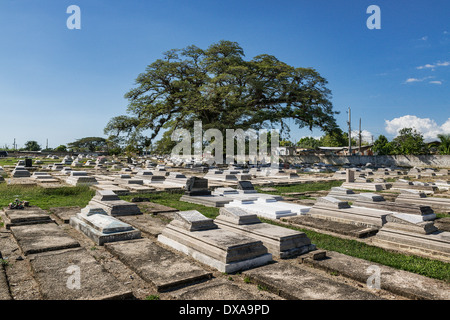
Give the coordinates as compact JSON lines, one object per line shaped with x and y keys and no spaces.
{"x":366,"y":136}
{"x":433,"y":66}
{"x":409,"y":80}
{"x":436,"y":82}
{"x":443,"y":64}
{"x":425,"y":38}
{"x":429,"y":66}
{"x":427,"y":127}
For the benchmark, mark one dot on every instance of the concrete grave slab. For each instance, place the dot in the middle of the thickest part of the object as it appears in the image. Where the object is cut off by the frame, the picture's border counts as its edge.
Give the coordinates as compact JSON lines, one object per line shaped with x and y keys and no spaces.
{"x":4,"y":287}
{"x":25,"y":216}
{"x":404,"y":283}
{"x":297,"y":283}
{"x":261,"y":209}
{"x":111,"y":187}
{"x":55,"y":270}
{"x":65,"y":213}
{"x":337,"y":210}
{"x":156,"y":265}
{"x":370,"y":200}
{"x":330,"y":226}
{"x":215,"y":289}
{"x":42,"y":237}
{"x":146,"y":223}
{"x":155,"y":208}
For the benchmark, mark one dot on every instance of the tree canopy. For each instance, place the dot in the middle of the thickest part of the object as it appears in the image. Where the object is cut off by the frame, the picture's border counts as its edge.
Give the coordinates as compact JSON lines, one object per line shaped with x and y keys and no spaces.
{"x":32,"y":146}
{"x":409,"y":142}
{"x":382,"y":146}
{"x":224,"y":91}
{"x":88,"y":144}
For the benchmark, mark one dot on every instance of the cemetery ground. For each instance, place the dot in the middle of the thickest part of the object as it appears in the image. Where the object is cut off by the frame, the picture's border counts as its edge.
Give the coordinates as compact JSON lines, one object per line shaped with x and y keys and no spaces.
{"x":29,"y":276}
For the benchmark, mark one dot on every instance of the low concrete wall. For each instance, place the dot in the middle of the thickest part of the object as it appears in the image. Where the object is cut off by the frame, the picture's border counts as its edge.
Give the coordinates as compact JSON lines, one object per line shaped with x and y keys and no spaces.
{"x":432,"y":161}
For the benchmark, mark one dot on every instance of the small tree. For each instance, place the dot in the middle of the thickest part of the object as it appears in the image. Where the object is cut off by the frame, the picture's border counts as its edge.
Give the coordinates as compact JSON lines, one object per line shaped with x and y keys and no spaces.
{"x":61,"y":148}
{"x":382,"y":146}
{"x":444,"y":147}
{"x":309,"y":143}
{"x":32,"y":146}
{"x":336,"y":138}
{"x":409,"y":142}
{"x":88,"y":144}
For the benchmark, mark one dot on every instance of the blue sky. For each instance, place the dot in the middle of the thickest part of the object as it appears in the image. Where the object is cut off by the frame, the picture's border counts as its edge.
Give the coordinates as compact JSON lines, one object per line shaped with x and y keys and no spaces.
{"x":62,"y":85}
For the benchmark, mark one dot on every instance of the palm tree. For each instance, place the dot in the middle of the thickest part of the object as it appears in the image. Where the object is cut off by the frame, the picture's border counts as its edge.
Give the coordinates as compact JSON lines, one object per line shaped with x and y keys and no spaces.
{"x":444,"y":148}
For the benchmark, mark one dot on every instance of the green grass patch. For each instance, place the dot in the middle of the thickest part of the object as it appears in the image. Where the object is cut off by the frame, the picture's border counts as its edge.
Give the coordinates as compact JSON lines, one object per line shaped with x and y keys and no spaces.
{"x":423,"y":266}
{"x":46,"y":198}
{"x":13,"y":161}
{"x":173,"y":200}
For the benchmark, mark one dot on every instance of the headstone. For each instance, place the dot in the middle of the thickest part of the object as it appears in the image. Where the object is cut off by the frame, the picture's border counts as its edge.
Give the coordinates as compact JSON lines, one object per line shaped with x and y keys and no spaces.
{"x":350,"y":175}
{"x":28,"y":163}
{"x":245,"y":185}
{"x":196,"y":186}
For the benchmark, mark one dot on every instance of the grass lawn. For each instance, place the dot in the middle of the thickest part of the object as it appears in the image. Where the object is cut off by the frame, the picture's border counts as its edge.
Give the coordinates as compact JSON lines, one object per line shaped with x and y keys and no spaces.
{"x":46,"y":198}
{"x":13,"y":161}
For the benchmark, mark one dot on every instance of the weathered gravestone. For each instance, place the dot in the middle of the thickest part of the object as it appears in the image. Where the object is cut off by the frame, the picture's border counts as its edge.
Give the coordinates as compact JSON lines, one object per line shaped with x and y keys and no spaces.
{"x":246,"y":186}
{"x":196,"y":186}
{"x":350,"y":175}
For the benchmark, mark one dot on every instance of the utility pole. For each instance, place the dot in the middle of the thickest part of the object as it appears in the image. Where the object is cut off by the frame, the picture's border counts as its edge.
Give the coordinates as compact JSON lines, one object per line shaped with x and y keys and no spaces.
{"x":360,"y":136}
{"x":349,"y":132}
{"x":14,"y":144}
{"x":47,"y":144}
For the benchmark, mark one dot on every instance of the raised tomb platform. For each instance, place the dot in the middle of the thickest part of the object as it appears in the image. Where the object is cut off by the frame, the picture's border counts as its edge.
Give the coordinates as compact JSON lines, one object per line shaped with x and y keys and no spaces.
{"x":281,"y":242}
{"x":81,"y":178}
{"x":101,"y":228}
{"x":420,"y":198}
{"x":199,"y":237}
{"x":375,"y":201}
{"x":333,"y":209}
{"x":113,"y":205}
{"x":196,"y":191}
{"x":263,"y":208}
{"x":411,"y":234}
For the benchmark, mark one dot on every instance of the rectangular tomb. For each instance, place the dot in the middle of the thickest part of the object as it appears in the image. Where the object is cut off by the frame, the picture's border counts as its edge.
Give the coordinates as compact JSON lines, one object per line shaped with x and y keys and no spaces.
{"x":102,"y":228}
{"x":156,"y":265}
{"x":262,"y":209}
{"x":39,"y":238}
{"x":333,"y":209}
{"x":280,"y":242}
{"x":112,"y":204}
{"x":195,"y":235}
{"x":55,"y":270}
{"x":25,"y":216}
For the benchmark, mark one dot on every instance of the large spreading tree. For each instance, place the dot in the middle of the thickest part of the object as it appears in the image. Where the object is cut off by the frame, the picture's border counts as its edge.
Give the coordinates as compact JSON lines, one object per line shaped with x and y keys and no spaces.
{"x":218,"y":87}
